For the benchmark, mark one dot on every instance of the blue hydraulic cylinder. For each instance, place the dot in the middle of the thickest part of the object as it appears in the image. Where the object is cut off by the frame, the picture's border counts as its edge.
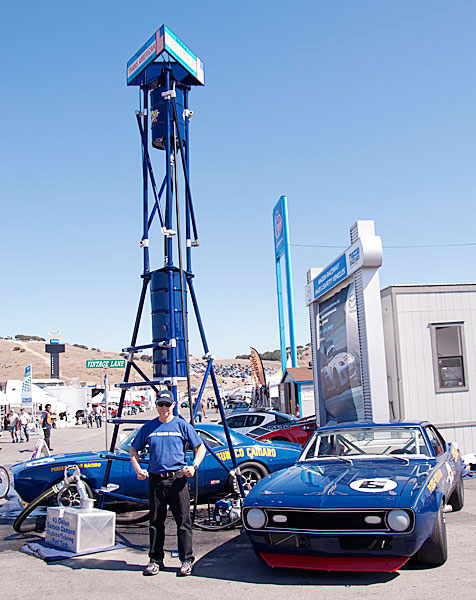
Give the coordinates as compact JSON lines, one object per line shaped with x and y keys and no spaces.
{"x":167,"y":323}
{"x":159,"y":116}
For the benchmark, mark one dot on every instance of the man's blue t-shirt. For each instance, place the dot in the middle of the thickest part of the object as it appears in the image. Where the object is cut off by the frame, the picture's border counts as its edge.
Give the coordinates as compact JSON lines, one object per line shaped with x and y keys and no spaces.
{"x":167,"y":443}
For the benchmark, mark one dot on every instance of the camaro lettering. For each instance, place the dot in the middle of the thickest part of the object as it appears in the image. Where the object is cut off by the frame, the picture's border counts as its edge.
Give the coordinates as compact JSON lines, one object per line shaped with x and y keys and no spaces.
{"x":250,"y":453}
{"x":269,"y":452}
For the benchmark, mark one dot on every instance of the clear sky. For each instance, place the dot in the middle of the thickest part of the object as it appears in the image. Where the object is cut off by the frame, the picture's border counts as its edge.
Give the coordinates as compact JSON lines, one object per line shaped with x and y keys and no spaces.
{"x":353,"y":109}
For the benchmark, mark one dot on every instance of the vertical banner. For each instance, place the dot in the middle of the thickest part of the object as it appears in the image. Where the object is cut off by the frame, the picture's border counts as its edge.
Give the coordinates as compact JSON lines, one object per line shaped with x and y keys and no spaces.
{"x":257,"y":370}
{"x":340,"y":376}
{"x":278,"y":228}
{"x":281,"y":247}
{"x":26,"y":398}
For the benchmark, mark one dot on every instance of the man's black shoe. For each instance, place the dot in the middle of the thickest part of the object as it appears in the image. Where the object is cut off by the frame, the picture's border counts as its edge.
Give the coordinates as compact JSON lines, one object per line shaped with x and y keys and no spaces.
{"x":185,"y":569}
{"x":153,"y":567}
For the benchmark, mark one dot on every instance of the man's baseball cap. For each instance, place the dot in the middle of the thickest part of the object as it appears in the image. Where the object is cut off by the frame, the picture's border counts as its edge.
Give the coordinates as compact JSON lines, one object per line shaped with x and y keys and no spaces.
{"x":165,"y":396}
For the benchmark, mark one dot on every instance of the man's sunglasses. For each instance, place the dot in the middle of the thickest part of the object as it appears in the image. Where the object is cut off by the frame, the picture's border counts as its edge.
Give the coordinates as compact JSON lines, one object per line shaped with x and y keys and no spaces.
{"x":162,"y":404}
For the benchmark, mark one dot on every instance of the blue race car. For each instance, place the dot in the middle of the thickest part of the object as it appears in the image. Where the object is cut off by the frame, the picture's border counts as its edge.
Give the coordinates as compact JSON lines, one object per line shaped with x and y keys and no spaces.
{"x":256,"y":460}
{"x":362,"y":497}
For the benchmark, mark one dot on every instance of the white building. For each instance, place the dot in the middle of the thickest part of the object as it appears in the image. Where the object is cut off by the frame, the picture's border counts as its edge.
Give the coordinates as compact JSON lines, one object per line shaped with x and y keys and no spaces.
{"x":430,"y":351}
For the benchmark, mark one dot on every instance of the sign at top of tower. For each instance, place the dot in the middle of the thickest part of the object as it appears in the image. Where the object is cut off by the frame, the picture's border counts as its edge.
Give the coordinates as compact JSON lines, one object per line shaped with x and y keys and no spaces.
{"x":162,"y":41}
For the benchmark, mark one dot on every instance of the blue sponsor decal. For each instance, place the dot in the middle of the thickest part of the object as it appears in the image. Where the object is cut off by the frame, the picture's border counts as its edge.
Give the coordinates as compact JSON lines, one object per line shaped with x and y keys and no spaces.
{"x":354,"y":257}
{"x":335,"y":273}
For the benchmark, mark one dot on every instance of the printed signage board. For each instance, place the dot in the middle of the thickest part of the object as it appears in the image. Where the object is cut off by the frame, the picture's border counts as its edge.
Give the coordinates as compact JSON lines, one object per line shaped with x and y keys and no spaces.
{"x":339,"y":374}
{"x":347,"y":263}
{"x":165,"y":40}
{"x":278,"y":228}
{"x":105,"y":364}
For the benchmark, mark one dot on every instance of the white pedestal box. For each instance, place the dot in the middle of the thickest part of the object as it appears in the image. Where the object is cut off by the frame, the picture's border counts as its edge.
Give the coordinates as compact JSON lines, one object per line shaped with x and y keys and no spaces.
{"x":80,"y":530}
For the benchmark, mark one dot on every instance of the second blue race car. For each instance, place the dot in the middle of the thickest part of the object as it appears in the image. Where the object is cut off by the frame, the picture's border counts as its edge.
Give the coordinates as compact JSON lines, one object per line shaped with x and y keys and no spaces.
{"x":256,"y":460}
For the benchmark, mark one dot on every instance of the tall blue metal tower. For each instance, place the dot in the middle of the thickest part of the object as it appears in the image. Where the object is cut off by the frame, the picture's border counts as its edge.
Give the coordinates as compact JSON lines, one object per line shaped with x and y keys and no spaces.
{"x":165,"y":70}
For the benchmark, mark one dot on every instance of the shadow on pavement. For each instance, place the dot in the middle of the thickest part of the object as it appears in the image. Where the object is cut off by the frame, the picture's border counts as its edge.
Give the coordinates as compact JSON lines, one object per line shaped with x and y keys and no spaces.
{"x":101,"y":564}
{"x":235,"y":561}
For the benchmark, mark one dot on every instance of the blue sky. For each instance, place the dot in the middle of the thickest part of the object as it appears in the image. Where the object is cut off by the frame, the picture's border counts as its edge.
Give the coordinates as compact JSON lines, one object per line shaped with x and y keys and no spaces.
{"x":353,"y":109}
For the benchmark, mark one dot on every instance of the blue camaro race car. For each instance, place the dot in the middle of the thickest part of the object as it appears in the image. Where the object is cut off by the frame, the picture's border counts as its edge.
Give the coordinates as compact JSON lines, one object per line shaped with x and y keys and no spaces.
{"x":362,"y":497}
{"x":255,"y":459}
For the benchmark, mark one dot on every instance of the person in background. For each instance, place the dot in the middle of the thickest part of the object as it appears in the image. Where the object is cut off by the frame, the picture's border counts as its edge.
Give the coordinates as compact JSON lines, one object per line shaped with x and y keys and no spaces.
{"x":12,"y":420}
{"x":89,"y":415}
{"x":25,"y":421}
{"x":168,"y":437}
{"x":97,"y":415}
{"x":46,"y":424}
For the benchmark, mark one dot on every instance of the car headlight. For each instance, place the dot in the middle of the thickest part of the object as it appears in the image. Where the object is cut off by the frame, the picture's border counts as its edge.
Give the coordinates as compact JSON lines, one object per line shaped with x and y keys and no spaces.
{"x":255,"y":518}
{"x":398,"y":520}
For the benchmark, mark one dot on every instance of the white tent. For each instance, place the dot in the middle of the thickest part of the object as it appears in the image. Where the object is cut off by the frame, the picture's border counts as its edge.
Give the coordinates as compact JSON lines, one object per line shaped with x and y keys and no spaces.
{"x":3,"y":399}
{"x":39,"y":396}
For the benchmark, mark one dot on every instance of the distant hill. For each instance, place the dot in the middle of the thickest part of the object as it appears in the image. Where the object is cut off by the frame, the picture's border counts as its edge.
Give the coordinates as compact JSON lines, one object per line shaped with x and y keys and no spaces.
{"x":16,"y":354}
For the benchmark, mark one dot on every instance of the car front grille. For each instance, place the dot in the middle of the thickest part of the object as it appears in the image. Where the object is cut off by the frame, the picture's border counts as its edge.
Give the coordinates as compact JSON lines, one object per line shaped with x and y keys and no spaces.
{"x":329,"y":521}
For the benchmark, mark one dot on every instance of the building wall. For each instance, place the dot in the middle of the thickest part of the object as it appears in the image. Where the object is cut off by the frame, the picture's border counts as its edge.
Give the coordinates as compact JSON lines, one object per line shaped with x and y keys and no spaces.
{"x":408,"y":312}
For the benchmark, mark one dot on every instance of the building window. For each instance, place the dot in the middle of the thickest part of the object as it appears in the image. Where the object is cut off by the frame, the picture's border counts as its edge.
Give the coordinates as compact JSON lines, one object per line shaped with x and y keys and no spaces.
{"x":449,"y":359}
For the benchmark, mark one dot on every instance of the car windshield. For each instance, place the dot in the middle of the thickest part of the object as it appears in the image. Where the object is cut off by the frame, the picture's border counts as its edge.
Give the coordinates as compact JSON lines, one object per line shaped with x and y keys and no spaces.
{"x":125,"y":446}
{"x":213,"y":442}
{"x":367,"y":441}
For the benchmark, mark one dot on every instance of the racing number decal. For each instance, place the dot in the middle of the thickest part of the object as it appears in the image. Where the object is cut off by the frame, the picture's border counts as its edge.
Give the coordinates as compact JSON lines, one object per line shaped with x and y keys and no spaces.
{"x":373,"y":486}
{"x":451,"y":474}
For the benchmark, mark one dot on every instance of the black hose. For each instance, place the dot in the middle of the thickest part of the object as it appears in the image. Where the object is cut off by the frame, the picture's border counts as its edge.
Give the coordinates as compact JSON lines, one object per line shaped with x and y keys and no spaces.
{"x":231,"y":525}
{"x":38,"y":501}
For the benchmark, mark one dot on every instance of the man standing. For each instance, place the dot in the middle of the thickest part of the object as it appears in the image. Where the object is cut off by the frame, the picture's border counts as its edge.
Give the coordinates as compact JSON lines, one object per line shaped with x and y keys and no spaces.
{"x":12,"y":420}
{"x":45,"y":422}
{"x":24,"y":419}
{"x":167,"y":437}
{"x":89,"y":415}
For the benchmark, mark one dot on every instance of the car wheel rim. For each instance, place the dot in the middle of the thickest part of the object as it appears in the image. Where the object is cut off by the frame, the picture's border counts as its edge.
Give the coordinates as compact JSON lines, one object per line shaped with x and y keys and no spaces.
{"x":249,"y":479}
{"x":69,"y":497}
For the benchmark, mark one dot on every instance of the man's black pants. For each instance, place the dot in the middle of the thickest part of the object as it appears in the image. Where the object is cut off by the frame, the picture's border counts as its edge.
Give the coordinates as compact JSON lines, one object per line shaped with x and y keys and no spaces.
{"x":47,"y":433}
{"x":174,"y":493}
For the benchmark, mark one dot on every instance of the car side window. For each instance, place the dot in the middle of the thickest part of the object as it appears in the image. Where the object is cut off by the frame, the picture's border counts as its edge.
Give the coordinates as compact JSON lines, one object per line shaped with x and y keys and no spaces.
{"x":437,"y":442}
{"x":237,"y":421}
{"x":211,"y":441}
{"x":282,"y":419}
{"x":254,"y":420}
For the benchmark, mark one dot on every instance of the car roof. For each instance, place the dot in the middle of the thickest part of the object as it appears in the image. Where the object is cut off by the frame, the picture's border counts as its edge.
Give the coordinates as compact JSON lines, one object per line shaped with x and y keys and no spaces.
{"x":360,"y":424}
{"x":261,"y":412}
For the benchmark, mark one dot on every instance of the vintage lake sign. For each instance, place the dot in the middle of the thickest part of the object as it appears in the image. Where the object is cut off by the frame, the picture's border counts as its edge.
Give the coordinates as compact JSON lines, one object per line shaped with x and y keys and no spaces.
{"x":105,"y":364}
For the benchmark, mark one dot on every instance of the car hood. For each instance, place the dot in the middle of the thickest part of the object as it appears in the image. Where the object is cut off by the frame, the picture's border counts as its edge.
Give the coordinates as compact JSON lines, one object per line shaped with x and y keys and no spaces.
{"x":342,"y":485}
{"x":72,"y":458}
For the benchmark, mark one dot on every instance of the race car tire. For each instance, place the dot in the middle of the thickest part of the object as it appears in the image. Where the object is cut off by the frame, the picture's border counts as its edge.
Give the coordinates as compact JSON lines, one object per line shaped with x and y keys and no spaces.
{"x":456,"y":500}
{"x":69,"y":495}
{"x":251,"y":473}
{"x":434,"y":551}
{"x":4,"y":482}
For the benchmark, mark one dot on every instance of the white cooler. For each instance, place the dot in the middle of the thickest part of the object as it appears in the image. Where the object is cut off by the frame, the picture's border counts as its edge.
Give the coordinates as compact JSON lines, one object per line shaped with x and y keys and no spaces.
{"x":80,"y":530}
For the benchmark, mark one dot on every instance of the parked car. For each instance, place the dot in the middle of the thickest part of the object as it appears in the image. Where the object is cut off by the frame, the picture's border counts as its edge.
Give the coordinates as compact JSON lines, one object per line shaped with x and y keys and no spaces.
{"x":257,"y":422}
{"x":298,"y":432}
{"x":256,"y":460}
{"x":362,"y":497}
{"x":236,"y":406}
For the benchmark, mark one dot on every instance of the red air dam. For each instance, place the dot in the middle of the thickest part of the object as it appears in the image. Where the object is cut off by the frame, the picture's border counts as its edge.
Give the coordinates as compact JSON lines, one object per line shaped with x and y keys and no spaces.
{"x":333,"y":563}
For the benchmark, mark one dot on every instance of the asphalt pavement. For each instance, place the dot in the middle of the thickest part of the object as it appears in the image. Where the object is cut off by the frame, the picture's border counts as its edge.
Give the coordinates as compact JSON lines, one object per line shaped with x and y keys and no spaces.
{"x":225,"y":566}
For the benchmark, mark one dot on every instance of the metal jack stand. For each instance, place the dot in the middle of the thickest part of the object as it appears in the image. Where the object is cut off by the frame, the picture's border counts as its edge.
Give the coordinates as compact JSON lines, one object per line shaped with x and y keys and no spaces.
{"x":165,"y":70}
